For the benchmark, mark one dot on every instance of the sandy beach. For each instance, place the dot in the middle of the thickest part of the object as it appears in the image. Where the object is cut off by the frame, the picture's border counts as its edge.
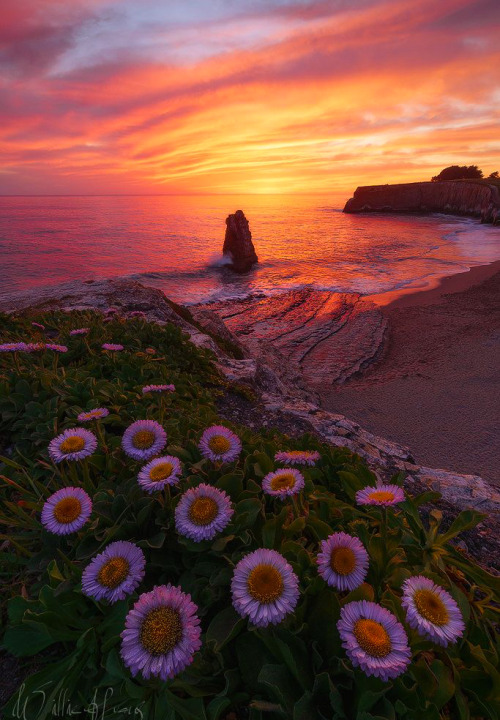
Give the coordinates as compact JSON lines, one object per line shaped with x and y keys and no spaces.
{"x":418,"y":367}
{"x":435,"y":383}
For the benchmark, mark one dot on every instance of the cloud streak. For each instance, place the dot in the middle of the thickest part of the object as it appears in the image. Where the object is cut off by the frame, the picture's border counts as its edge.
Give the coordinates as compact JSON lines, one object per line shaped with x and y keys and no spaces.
{"x":247,"y":96}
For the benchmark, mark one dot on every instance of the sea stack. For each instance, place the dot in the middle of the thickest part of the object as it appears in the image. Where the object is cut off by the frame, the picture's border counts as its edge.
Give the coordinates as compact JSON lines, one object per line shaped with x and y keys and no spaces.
{"x":238,"y":243}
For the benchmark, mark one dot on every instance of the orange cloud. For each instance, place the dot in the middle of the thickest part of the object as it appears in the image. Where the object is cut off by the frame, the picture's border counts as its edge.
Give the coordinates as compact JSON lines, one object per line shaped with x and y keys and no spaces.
{"x":100,"y":99}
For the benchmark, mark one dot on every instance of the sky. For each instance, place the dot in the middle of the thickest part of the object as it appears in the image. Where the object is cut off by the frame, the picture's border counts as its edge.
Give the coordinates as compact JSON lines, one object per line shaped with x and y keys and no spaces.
{"x":244,"y":96}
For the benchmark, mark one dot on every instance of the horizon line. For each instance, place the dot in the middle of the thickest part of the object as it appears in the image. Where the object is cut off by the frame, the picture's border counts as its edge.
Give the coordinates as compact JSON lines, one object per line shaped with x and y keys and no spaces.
{"x":7,"y":195}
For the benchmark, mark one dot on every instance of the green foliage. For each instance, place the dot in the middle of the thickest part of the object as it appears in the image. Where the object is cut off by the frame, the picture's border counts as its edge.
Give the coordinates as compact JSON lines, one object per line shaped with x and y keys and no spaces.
{"x":459,"y":172}
{"x":295,"y":670}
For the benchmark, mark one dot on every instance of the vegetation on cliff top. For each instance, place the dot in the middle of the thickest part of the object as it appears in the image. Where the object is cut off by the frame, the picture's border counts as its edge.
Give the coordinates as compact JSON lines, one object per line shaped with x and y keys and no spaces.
{"x":298,"y":668}
{"x":463,"y":172}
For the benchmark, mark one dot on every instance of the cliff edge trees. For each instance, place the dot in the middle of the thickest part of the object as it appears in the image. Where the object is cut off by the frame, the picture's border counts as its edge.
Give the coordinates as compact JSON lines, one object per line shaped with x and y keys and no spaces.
{"x":463,"y":172}
{"x":459,"y":172}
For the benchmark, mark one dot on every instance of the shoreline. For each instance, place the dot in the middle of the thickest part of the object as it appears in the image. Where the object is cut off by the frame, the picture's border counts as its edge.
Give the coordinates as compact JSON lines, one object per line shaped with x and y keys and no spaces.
{"x":436,"y":287}
{"x":433,"y":385}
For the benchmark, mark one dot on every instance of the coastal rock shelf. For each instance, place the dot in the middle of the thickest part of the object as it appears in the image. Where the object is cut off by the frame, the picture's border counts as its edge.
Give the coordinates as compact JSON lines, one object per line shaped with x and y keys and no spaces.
{"x":473,"y":199}
{"x":328,"y":336}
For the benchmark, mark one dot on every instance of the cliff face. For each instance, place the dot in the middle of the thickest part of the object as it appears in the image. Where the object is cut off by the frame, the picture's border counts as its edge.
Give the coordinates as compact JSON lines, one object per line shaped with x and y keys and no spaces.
{"x":457,"y":198}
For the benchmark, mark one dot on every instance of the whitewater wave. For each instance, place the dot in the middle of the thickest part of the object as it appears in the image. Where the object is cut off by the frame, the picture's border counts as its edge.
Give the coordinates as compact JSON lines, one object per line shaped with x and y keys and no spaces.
{"x":217,"y":261}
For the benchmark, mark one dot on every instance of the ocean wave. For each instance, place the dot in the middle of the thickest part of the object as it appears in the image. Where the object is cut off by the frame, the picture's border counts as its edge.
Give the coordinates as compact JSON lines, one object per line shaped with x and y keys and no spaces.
{"x":362,"y":287}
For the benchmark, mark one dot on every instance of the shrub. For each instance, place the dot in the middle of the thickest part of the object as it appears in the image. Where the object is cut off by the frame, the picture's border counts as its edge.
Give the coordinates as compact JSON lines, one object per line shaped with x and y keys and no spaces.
{"x":459,"y":172}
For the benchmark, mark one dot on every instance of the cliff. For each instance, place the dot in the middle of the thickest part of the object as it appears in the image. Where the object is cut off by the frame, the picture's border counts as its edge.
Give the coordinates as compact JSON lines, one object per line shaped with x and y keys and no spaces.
{"x":474,"y":199}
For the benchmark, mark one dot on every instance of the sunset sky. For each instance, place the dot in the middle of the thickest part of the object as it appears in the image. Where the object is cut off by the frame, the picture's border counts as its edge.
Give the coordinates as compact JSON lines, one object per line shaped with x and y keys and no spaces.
{"x":236,"y":96}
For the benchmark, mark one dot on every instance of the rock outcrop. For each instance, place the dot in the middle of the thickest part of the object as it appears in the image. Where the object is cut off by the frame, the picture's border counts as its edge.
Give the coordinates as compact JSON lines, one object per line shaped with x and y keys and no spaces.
{"x":473,"y":199}
{"x":238,"y":243}
{"x":327,"y":337}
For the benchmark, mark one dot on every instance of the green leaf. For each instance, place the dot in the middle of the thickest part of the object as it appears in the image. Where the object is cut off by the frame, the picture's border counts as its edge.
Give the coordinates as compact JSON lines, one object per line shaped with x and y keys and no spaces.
{"x":224,"y":627}
{"x":319,"y":528}
{"x":265,"y":462}
{"x":156,"y":541}
{"x":445,"y":684}
{"x":269,"y":533}
{"x":114,"y":666}
{"x":220,"y":544}
{"x":296,"y":526}
{"x":246,"y":511}
{"x":481,"y":577}
{"x":363,"y":592}
{"x":322,"y":619}
{"x":282,"y":686}
{"x":305,"y":708}
{"x":186,"y":708}
{"x":369,"y":691}
{"x":466,"y":520}
{"x":232,"y":484}
{"x":16,"y":607}
{"x":27,"y":639}
{"x":37,"y":696}
{"x":351,"y":483}
{"x":216,"y":707}
{"x":252,"y":655}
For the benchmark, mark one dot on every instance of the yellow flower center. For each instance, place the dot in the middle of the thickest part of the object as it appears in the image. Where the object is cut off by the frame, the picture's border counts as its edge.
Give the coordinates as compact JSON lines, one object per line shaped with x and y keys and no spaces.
{"x":143,"y":439}
{"x":219,"y":444}
{"x":283,"y":481}
{"x":203,"y":510}
{"x":113,"y":572}
{"x":67,"y":510}
{"x":382,"y":496}
{"x":342,"y":560}
{"x":298,"y":453}
{"x":73,"y":443}
{"x":431,"y":607}
{"x":265,"y":583}
{"x":372,"y":637}
{"x":161,"y":630}
{"x":162,"y":471}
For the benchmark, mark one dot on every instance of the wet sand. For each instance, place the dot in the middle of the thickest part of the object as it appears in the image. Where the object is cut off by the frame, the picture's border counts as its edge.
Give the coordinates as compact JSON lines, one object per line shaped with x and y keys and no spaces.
{"x":435,"y":383}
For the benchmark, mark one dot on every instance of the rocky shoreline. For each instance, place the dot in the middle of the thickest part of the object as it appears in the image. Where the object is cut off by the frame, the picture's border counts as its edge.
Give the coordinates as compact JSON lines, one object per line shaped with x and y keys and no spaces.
{"x":272,"y":372}
{"x":460,"y":197}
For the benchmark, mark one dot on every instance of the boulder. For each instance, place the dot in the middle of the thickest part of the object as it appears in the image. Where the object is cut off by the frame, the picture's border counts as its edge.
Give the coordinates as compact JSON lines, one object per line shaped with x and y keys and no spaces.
{"x":238,"y":243}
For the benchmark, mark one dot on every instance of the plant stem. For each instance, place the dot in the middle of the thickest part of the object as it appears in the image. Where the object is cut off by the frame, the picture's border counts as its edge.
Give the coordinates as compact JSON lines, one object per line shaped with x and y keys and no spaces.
{"x":73,"y":473}
{"x":100,"y":435}
{"x":86,"y":475}
{"x":296,"y":507}
{"x":16,"y":363}
{"x":384,"y":541}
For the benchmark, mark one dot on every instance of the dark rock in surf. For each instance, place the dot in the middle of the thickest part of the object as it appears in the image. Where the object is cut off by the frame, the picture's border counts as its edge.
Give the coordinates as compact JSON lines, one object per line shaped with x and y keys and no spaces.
{"x":238,"y":243}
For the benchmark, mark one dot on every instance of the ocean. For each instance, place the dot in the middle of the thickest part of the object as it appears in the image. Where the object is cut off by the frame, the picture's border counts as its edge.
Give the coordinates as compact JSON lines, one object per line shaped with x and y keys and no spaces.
{"x":175,"y":243}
